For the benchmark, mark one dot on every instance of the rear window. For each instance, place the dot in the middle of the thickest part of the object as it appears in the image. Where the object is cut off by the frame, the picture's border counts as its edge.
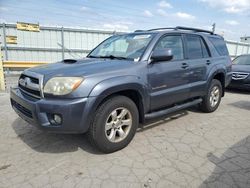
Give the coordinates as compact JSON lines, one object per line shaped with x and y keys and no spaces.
{"x":220,"y":45}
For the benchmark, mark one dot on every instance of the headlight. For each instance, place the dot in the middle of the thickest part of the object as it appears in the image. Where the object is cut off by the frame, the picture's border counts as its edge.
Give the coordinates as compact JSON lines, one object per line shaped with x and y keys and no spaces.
{"x":62,"y":85}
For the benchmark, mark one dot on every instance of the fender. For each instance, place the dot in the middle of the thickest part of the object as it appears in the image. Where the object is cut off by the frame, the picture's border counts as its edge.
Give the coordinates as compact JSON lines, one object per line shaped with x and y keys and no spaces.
{"x":213,"y":73}
{"x":116,"y":84}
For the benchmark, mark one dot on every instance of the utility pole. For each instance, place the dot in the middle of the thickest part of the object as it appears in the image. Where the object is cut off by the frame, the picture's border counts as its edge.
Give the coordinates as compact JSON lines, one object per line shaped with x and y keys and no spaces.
{"x":213,"y":29}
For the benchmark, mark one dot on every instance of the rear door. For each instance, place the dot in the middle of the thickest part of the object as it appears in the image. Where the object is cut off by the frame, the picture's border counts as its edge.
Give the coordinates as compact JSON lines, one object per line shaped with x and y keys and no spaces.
{"x":168,"y":80}
{"x":199,"y":60}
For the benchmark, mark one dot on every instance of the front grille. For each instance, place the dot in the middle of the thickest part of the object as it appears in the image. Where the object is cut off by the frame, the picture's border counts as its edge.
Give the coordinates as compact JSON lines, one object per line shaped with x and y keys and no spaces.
{"x":22,"y":109}
{"x":29,"y":85}
{"x":240,"y":75}
{"x":34,"y":80}
{"x":30,"y":91}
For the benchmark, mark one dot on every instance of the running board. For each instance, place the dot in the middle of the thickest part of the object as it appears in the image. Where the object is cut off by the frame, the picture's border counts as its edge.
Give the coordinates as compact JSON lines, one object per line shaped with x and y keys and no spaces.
{"x":172,"y":109}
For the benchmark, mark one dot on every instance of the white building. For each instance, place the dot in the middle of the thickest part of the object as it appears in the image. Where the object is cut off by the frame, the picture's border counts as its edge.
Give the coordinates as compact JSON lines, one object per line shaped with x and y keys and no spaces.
{"x":245,"y":39}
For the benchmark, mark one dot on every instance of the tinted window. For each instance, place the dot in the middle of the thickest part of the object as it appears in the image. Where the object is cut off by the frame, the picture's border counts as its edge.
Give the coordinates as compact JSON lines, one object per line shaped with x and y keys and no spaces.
{"x":174,"y":43}
{"x":219,"y":45}
{"x":242,"y":60}
{"x":194,"y":47}
{"x":204,"y":49}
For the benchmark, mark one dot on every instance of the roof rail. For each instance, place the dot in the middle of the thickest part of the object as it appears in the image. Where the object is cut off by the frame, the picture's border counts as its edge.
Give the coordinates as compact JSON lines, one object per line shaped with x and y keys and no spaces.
{"x":194,"y":29}
{"x":162,"y":28}
{"x":179,"y":28}
{"x":139,"y":31}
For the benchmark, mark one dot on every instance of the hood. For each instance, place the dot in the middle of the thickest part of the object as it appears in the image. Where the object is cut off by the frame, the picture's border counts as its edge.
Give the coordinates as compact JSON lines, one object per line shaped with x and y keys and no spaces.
{"x":241,"y":68}
{"x":83,"y":67}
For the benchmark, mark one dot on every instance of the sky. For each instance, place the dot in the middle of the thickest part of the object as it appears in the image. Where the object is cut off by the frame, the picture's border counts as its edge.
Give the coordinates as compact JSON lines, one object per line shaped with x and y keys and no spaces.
{"x":232,"y":17}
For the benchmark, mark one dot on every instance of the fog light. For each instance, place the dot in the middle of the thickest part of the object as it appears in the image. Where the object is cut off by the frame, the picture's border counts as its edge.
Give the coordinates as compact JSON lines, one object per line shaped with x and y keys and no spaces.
{"x":57,"y":118}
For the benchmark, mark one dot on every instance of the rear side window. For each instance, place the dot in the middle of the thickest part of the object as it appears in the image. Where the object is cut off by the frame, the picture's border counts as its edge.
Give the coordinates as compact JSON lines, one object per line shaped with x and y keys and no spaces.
{"x":194,"y":48}
{"x":219,"y":45}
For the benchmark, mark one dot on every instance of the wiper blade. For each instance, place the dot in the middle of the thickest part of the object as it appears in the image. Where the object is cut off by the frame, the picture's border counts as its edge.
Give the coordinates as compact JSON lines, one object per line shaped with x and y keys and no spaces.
{"x":110,"y":57}
{"x":113,"y":57}
{"x":91,"y":56}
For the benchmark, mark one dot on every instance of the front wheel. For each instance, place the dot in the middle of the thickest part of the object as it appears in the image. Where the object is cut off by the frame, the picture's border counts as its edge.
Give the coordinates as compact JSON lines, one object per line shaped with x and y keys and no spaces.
{"x":213,"y":97}
{"x":114,"y":125}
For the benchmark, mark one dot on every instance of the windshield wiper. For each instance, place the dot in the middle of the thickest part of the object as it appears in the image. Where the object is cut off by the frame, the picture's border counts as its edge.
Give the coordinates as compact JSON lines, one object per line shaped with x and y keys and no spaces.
{"x":113,"y":57}
{"x":109,"y":57}
{"x":91,"y":56}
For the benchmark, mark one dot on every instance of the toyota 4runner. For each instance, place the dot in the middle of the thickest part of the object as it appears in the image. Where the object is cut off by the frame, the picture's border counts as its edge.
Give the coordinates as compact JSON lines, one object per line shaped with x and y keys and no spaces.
{"x":125,"y":80}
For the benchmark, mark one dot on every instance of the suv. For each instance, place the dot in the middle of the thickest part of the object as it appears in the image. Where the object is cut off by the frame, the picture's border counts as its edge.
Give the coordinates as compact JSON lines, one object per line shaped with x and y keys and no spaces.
{"x":125,"y":80}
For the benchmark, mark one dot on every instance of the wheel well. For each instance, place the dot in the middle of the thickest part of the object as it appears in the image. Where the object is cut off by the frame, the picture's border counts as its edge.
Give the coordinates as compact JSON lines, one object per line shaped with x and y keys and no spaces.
{"x":221,"y":78}
{"x":135,"y":96}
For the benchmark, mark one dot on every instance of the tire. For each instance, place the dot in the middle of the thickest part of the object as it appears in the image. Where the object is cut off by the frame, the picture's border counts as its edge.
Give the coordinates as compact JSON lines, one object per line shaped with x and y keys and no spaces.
{"x":104,"y":132}
{"x":211,"y":101}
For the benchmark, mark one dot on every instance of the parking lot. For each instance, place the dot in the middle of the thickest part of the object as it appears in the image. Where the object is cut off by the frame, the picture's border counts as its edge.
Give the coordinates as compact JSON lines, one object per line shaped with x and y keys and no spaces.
{"x":188,"y":149}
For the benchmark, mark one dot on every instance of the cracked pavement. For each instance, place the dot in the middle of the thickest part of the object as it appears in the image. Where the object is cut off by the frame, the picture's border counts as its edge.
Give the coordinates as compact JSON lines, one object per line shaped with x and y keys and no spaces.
{"x":187,"y":149}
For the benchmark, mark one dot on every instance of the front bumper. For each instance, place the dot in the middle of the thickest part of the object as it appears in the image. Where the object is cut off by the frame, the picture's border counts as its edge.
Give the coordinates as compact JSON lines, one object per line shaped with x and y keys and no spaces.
{"x":39,"y":112}
{"x":239,"y":84}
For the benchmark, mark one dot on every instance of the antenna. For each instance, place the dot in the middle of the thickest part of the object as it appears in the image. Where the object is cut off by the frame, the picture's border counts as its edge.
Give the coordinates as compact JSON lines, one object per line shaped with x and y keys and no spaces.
{"x":213,"y":29}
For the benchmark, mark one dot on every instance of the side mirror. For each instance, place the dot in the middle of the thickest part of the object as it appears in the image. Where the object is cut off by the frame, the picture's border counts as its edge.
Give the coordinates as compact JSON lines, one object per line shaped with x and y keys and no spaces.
{"x":162,"y":55}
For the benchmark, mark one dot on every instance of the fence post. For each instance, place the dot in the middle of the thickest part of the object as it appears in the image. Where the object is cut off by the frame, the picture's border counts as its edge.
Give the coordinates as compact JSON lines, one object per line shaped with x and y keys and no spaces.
{"x":236,"y":49}
{"x":2,"y":80}
{"x":5,"y":43}
{"x":62,"y":42}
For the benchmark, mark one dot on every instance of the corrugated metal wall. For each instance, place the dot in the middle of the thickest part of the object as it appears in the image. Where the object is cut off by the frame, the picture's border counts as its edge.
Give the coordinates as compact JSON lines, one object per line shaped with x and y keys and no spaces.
{"x":47,"y":45}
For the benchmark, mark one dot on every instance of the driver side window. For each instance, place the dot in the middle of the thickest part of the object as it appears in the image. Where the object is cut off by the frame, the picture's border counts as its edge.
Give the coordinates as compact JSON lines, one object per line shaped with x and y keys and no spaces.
{"x":174,"y":43}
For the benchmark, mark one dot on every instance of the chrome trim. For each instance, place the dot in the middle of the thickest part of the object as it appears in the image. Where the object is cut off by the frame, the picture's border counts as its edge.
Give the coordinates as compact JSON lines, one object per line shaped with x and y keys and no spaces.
{"x":32,"y":86}
{"x":26,"y":82}
{"x":240,"y":75}
{"x":159,"y":87}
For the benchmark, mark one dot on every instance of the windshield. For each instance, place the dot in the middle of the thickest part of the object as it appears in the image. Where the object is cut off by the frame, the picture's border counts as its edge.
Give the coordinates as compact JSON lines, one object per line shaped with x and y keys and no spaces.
{"x":128,"y":46}
{"x":242,"y":60}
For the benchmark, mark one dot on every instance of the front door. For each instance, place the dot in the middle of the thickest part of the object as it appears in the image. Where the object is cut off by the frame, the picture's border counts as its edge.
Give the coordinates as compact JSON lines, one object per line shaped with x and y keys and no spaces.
{"x":168,"y":80}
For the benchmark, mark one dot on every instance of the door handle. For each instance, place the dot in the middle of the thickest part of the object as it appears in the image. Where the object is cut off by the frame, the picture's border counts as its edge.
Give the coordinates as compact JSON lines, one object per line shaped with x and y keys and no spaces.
{"x":208,"y":62}
{"x":184,"y":65}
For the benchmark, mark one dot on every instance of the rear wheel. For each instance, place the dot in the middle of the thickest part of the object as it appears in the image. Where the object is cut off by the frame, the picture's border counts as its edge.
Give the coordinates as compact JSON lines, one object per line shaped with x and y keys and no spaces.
{"x":114,"y":124}
{"x":213,"y":97}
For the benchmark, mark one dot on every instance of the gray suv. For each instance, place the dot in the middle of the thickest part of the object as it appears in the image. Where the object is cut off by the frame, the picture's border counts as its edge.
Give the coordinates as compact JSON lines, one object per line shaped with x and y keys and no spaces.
{"x":125,"y":80}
